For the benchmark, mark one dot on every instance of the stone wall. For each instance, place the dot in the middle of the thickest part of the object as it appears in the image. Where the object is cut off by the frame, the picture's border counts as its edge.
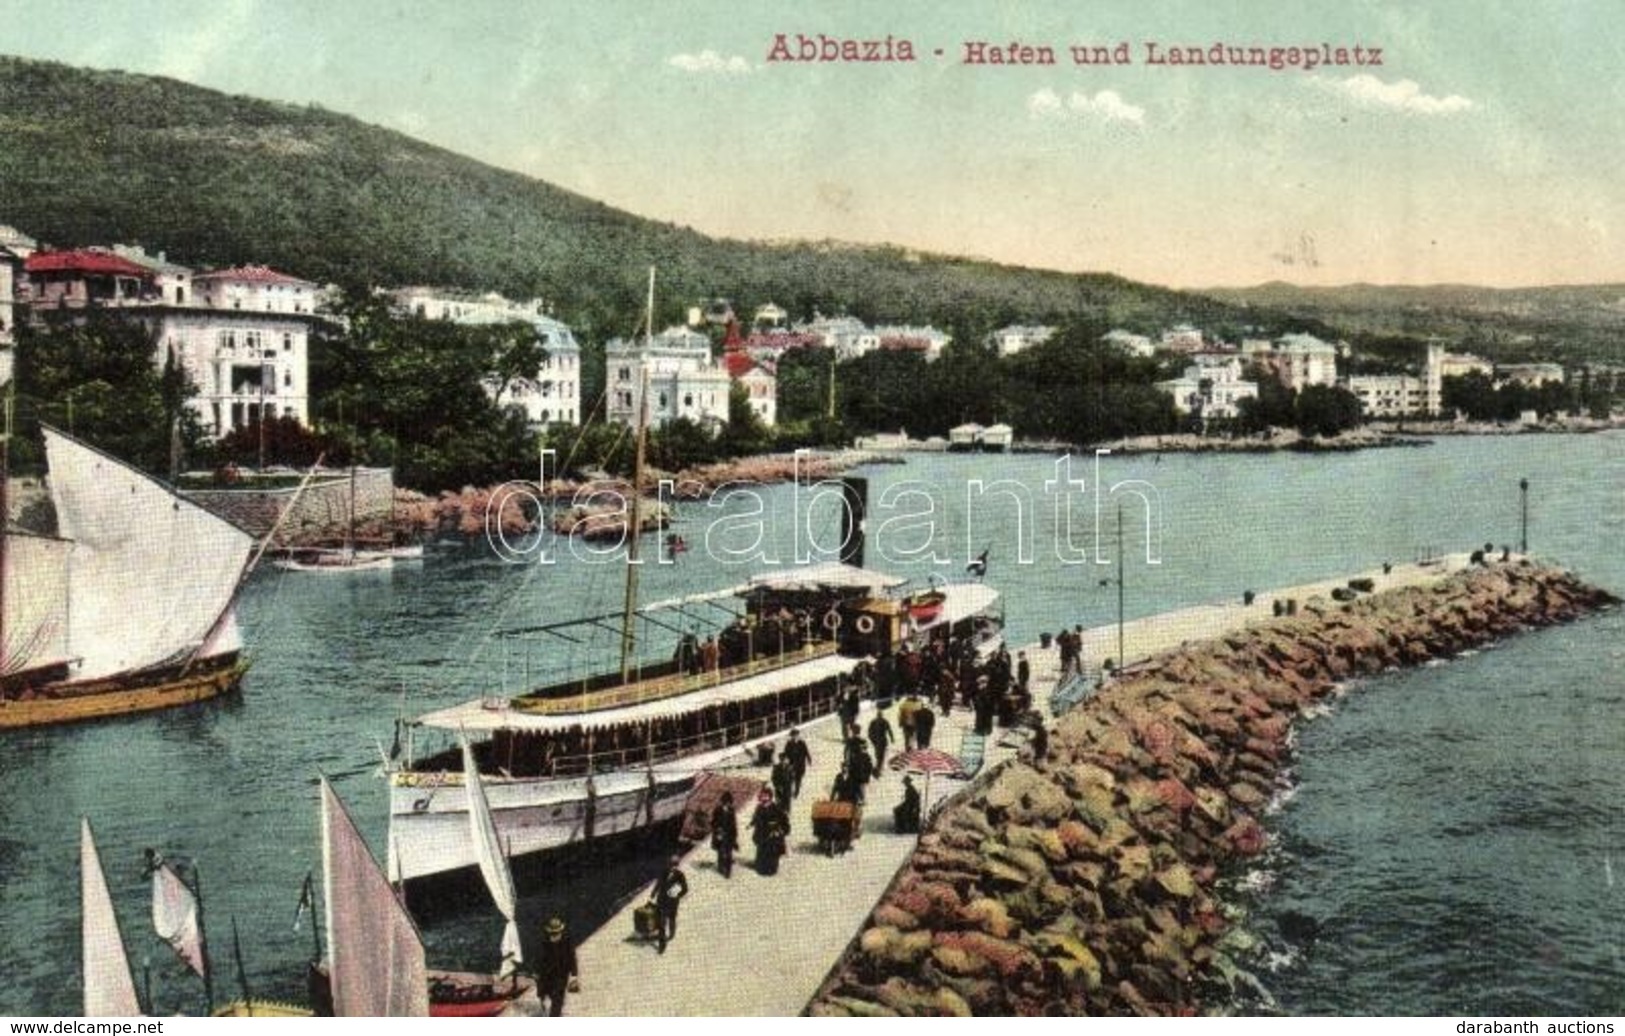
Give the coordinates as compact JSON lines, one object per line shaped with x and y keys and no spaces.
{"x":321,"y":512}
{"x":1085,"y":883}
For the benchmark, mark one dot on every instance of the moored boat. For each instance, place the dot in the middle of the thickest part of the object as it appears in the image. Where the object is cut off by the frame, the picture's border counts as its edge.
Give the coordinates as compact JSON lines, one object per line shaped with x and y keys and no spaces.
{"x":129,"y":608}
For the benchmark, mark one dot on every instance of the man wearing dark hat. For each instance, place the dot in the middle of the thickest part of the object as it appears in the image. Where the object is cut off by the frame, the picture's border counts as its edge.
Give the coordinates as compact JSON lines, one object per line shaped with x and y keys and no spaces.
{"x":669,"y":890}
{"x":556,"y":967}
{"x":881,"y":736}
{"x":799,"y":758}
{"x":725,"y":834}
{"x":783,"y":777}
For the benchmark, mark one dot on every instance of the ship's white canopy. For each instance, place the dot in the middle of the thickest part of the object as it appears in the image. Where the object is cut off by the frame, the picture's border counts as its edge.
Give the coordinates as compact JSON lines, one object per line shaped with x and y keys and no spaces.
{"x":480,"y":715}
{"x":830,"y":574}
{"x":151,"y":575}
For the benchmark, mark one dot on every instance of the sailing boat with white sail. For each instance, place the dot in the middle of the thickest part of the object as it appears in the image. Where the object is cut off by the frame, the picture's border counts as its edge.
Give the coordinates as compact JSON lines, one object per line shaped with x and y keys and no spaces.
{"x":109,"y":987}
{"x":131,"y":606}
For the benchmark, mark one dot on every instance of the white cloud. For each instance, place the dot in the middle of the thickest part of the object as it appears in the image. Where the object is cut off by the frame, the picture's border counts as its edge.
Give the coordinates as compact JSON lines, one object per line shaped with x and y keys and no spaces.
{"x":1405,"y":95}
{"x":1106,"y":106}
{"x":710,"y":61}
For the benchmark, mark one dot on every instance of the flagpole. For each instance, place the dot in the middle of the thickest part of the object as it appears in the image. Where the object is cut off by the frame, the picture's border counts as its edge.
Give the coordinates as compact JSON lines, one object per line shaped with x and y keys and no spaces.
{"x":242,"y":973}
{"x":203,"y":938}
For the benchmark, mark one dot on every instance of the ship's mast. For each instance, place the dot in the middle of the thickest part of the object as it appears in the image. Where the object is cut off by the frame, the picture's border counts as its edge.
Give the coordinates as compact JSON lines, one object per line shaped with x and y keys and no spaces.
{"x":5,"y":520}
{"x":634,"y":526}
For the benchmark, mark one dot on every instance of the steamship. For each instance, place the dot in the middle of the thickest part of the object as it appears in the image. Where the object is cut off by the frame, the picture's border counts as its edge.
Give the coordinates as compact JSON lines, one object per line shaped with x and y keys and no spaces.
{"x":618,"y":753}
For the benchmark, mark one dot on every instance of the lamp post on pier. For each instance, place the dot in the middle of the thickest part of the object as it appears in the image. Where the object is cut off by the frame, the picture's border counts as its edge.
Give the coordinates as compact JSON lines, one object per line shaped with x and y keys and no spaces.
{"x":1523,"y":538}
{"x":1121,"y":653}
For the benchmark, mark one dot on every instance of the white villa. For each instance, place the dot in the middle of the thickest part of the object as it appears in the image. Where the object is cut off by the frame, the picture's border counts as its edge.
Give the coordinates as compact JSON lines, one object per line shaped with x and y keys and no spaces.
{"x":1018,"y":338}
{"x":849,"y":337}
{"x":683,"y":378}
{"x":1301,"y":360}
{"x":1212,"y":387}
{"x":1128,"y":342}
{"x":243,"y":337}
{"x":927,"y":341}
{"x":553,"y":394}
{"x":1402,"y":395}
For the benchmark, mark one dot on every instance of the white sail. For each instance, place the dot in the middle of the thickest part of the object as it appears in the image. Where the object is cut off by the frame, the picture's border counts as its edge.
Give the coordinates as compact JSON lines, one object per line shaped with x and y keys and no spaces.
{"x":493,"y":862}
{"x":151,"y":574}
{"x":36,"y":600}
{"x":109,"y":989}
{"x":376,"y":955}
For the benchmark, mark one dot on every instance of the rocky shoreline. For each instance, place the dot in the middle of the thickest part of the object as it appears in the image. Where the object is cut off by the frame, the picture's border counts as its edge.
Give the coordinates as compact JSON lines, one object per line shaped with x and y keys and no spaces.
{"x":1087,"y":883}
{"x":1278,"y":440}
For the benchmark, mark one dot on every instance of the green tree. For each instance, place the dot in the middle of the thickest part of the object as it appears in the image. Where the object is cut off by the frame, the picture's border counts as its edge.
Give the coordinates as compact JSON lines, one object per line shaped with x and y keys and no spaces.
{"x":412,"y":393}
{"x":745,"y":433}
{"x":1326,"y":411}
{"x":1275,"y":406}
{"x":93,"y":375}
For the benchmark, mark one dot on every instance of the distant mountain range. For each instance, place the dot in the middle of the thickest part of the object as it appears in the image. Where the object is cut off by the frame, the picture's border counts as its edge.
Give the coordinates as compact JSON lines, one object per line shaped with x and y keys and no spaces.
{"x":1572,"y":323}
{"x":95,"y":157}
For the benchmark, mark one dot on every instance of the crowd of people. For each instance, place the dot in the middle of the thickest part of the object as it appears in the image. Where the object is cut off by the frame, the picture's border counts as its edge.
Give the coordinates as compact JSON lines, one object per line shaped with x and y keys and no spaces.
{"x":994,"y":687}
{"x":583,"y":747}
{"x":748,"y":638}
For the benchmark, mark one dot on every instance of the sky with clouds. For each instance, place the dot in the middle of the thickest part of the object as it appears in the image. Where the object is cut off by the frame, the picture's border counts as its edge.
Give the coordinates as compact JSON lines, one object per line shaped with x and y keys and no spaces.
{"x":1485,"y":148}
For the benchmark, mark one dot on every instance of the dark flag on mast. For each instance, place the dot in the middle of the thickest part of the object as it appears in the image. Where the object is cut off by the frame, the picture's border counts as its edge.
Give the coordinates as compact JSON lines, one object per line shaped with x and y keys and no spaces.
{"x":978,"y":568}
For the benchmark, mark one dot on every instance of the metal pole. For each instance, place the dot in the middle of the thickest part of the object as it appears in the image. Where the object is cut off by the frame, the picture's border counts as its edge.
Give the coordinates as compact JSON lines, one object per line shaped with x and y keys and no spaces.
{"x":1523,"y":542}
{"x":1122,"y":659}
{"x":262,"y":418}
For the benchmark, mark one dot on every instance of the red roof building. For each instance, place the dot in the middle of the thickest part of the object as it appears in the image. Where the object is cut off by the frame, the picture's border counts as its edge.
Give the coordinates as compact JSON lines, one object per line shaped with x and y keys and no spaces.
{"x":86,"y":277}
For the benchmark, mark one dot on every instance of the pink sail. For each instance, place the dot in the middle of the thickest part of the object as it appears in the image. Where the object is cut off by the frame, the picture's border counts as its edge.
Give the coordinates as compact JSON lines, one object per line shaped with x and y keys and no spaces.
{"x":377,"y":964}
{"x":175,"y":917}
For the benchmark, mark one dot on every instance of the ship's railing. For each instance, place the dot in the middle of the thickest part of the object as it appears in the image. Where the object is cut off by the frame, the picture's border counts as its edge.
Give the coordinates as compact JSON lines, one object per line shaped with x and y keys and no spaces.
{"x":690,"y":744}
{"x":670,"y":686}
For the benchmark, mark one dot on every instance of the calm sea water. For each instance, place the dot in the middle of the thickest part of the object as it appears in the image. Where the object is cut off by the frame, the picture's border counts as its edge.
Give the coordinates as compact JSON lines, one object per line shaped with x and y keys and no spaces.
{"x":1455,"y":844}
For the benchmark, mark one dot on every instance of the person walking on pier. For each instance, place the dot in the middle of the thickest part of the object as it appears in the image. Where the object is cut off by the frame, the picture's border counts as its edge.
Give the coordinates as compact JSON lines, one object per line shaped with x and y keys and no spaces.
{"x":849,"y":706}
{"x":1070,"y":645}
{"x":725,"y":834}
{"x":770,"y":827}
{"x":796,"y":752}
{"x":881,"y":737}
{"x":924,"y":721}
{"x":906,"y":713}
{"x":783,"y":778}
{"x":668,"y":891}
{"x":556,"y":968}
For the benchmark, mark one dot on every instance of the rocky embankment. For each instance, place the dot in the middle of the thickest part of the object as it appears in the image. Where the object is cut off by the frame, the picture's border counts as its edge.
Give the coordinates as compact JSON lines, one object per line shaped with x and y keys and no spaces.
{"x":1086,"y":883}
{"x":1276,"y":440}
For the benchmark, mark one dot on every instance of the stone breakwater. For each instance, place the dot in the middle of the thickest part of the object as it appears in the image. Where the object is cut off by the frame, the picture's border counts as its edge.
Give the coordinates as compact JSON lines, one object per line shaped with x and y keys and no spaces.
{"x":1086,"y":883}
